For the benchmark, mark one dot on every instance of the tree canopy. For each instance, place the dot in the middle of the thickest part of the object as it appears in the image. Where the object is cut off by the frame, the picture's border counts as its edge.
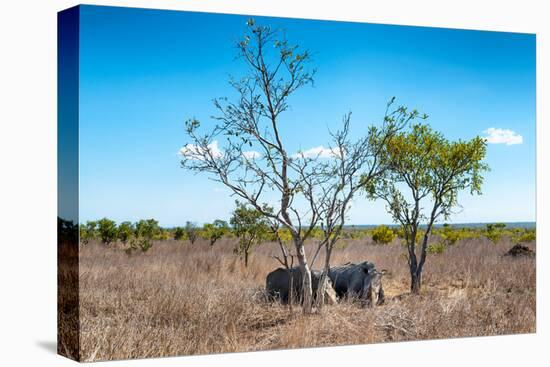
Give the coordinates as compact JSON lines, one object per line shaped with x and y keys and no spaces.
{"x":426,"y":173}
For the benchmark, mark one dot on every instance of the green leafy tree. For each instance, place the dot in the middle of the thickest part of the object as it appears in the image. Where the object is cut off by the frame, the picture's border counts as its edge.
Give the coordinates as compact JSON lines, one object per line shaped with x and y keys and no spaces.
{"x":383,"y":234}
{"x":144,"y":233}
{"x":107,"y":230}
{"x":214,"y":231}
{"x":191,"y":232}
{"x":179,"y":233}
{"x":251,"y":228}
{"x":426,"y":173}
{"x":88,"y":232}
{"x":125,"y":231}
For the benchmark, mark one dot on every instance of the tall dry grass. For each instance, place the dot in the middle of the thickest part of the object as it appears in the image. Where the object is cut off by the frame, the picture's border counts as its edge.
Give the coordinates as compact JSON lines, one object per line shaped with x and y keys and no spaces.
{"x":180,"y":299}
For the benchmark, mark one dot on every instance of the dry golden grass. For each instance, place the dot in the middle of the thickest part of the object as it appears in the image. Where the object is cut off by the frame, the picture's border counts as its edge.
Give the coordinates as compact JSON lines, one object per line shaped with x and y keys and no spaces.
{"x":180,"y":299}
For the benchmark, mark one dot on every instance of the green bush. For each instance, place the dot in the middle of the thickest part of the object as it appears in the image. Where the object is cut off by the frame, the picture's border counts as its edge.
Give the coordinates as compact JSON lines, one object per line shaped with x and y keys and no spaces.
{"x":436,"y":248}
{"x":139,"y":243}
{"x":448,"y":235}
{"x":399,"y":232}
{"x":88,"y":232}
{"x":107,"y":230}
{"x":214,"y":231}
{"x":382,"y":235}
{"x":527,"y":236}
{"x":494,"y":231}
{"x":179,"y":233}
{"x":144,"y":233}
{"x":125,"y":231}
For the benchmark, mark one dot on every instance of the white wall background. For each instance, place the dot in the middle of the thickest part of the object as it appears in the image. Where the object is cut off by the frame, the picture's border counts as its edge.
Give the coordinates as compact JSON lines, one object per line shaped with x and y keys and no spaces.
{"x":28,"y":179}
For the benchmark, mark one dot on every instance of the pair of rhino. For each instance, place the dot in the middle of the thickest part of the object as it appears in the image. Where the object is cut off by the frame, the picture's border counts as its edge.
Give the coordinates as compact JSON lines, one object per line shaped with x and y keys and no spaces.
{"x":356,"y":281}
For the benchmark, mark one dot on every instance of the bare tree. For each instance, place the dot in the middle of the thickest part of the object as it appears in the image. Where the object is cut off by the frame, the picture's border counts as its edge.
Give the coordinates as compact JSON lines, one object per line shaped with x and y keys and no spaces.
{"x":355,"y":166}
{"x":254,"y":163}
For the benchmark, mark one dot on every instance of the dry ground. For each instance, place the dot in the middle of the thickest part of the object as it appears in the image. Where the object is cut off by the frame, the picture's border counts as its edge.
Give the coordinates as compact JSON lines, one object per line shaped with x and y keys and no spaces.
{"x":180,"y":299}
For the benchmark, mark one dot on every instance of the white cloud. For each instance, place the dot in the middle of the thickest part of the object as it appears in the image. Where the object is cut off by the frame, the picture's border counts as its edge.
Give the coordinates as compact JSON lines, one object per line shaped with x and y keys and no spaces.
{"x":191,"y":151}
{"x":251,"y":154}
{"x":502,"y":136}
{"x":319,"y":151}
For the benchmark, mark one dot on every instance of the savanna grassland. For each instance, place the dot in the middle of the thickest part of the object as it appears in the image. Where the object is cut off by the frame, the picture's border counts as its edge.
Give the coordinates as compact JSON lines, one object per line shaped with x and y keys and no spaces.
{"x":180,"y":298}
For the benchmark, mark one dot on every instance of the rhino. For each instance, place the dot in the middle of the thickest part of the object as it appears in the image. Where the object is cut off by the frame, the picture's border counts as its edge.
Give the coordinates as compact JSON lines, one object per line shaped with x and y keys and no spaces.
{"x":278,"y":282}
{"x":358,"y":281}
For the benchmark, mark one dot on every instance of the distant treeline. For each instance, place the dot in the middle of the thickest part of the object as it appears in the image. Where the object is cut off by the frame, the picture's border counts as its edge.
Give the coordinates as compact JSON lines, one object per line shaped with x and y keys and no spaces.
{"x":526,"y":225}
{"x":250,"y":230}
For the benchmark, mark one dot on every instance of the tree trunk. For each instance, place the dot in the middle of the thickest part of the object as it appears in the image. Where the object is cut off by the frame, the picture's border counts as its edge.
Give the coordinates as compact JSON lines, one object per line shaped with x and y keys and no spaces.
{"x":324,"y":276}
{"x":307,"y":293}
{"x":416,"y":276}
{"x":246,"y":258}
{"x":307,"y":288}
{"x":413,"y":266}
{"x":416,"y":281}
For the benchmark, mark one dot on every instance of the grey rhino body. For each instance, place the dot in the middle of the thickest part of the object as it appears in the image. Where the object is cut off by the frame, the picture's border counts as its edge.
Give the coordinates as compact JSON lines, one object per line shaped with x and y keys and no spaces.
{"x":361,"y":281}
{"x":278,"y":285}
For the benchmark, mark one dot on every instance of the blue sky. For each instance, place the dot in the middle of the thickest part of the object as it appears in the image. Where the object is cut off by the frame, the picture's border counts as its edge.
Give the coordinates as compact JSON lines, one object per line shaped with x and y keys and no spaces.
{"x":144,"y":72}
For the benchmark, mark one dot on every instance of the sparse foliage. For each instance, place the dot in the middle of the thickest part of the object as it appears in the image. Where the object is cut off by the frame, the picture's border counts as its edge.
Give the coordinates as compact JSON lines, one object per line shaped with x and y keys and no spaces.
{"x":254,"y":163}
{"x":191,"y":232}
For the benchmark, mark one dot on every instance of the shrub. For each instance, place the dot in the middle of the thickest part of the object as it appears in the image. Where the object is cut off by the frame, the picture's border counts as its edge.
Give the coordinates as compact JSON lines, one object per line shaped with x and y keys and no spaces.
{"x":494,"y":231}
{"x":88,"y":232}
{"x":125,"y":231}
{"x":144,"y":232}
{"x":399,"y":232}
{"x":383,"y":235}
{"x":191,"y":232}
{"x":448,"y":235}
{"x":527,"y":236}
{"x":214,"y":231}
{"x":436,"y":248}
{"x":139,"y":243}
{"x":107,"y":230}
{"x":163,"y":234}
{"x":179,"y":234}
